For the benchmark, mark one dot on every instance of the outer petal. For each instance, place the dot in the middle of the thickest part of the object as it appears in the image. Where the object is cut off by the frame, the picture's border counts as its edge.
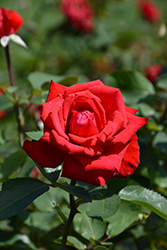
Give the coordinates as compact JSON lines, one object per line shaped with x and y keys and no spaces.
{"x":15,"y":20}
{"x":43,"y":153}
{"x":56,"y":91}
{"x":134,"y":124}
{"x":131,"y":158}
{"x":73,"y":170}
{"x":82,"y":86}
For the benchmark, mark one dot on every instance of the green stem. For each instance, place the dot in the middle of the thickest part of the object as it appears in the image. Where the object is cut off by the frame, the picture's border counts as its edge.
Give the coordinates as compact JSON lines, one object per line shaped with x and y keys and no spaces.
{"x":16,"y":107}
{"x":73,"y":212}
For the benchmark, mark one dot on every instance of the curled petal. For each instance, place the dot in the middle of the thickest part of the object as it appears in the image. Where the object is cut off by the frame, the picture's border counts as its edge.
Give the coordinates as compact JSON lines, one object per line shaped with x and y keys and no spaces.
{"x":81,"y":87}
{"x":134,"y":124}
{"x":68,"y":147}
{"x":131,"y":158}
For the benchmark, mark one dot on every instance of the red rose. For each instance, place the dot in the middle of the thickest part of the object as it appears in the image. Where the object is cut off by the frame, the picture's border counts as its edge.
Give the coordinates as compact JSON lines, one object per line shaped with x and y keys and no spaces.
{"x":149,"y":10}
{"x":88,"y":127}
{"x":10,"y":22}
{"x":80,"y":14}
{"x":152,"y":72}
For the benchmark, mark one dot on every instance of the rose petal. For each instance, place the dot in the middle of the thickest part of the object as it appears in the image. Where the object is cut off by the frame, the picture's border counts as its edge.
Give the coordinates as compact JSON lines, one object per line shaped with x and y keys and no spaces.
{"x":83,"y":123}
{"x":131,"y":158}
{"x":82,"y":86}
{"x":68,"y":147}
{"x":83,"y":102}
{"x":111,"y":99}
{"x":47,"y":108}
{"x":134,"y":124}
{"x":77,"y":172}
{"x":56,"y":91}
{"x":110,"y":160}
{"x":131,"y":110}
{"x":43,"y":153}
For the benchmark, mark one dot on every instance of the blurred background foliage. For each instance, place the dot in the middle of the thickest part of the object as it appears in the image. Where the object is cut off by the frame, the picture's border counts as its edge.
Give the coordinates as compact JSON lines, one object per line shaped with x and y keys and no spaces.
{"x":118,"y":50}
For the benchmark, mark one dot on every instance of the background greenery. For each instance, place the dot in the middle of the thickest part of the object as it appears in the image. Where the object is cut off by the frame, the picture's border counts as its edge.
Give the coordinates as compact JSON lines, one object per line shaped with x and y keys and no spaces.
{"x":121,"y":45}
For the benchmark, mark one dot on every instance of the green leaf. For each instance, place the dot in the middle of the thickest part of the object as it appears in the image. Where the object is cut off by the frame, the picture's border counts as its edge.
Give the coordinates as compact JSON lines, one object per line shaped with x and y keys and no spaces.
{"x":69,"y":80}
{"x":37,"y":79}
{"x":162,"y":83}
{"x":17,"y":194}
{"x":77,"y":191}
{"x":12,"y":163}
{"x":27,"y":168}
{"x":12,"y":89}
{"x":88,"y":227}
{"x":35,"y":135}
{"x":37,"y":219}
{"x":103,"y":208}
{"x":134,"y":86}
{"x":146,"y":198}
{"x":127,"y":215}
{"x":160,"y":141}
{"x":100,"y":248}
{"x":5,"y":103}
{"x":145,"y":109}
{"x":52,"y":176}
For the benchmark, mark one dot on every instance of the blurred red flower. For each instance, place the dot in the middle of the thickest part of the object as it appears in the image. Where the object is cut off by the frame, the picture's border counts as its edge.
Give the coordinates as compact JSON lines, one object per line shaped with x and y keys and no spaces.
{"x":80,"y":14}
{"x":151,"y":72}
{"x":149,"y":10}
{"x":10,"y":22}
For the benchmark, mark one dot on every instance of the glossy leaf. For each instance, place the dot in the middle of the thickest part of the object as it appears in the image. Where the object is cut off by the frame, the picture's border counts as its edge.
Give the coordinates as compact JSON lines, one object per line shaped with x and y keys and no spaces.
{"x":146,"y":198}
{"x":17,"y":194}
{"x":88,"y":227}
{"x":103,"y":208}
{"x":127,"y":215}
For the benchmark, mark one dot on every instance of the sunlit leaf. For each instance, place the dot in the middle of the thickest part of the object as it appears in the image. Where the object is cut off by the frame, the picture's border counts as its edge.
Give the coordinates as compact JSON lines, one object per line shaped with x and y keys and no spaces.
{"x":103,"y":208}
{"x":146,"y":198}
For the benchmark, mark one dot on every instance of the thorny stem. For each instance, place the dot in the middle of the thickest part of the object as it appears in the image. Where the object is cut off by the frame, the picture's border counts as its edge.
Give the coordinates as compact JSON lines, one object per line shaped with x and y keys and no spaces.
{"x":73,"y":212}
{"x":16,"y":107}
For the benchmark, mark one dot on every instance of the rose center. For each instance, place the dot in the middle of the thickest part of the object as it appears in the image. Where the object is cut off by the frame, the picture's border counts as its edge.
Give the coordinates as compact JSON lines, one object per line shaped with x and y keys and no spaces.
{"x":83,"y":123}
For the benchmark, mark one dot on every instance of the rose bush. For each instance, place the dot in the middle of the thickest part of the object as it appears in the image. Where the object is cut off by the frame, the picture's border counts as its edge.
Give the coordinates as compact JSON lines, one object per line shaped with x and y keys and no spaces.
{"x":89,"y":128}
{"x":10,"y":22}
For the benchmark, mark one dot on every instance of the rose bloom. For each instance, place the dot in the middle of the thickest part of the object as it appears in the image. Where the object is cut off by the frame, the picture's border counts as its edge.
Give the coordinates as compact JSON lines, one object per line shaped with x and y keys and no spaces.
{"x":10,"y":22}
{"x":151,"y":72}
{"x":149,"y":10}
{"x":88,"y":127}
{"x":80,"y":14}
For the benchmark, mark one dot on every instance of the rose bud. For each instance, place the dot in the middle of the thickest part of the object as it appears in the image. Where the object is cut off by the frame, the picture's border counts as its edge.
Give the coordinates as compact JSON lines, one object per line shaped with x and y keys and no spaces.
{"x":152,"y":72}
{"x":89,"y":128}
{"x":10,"y":22}
{"x":149,"y":10}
